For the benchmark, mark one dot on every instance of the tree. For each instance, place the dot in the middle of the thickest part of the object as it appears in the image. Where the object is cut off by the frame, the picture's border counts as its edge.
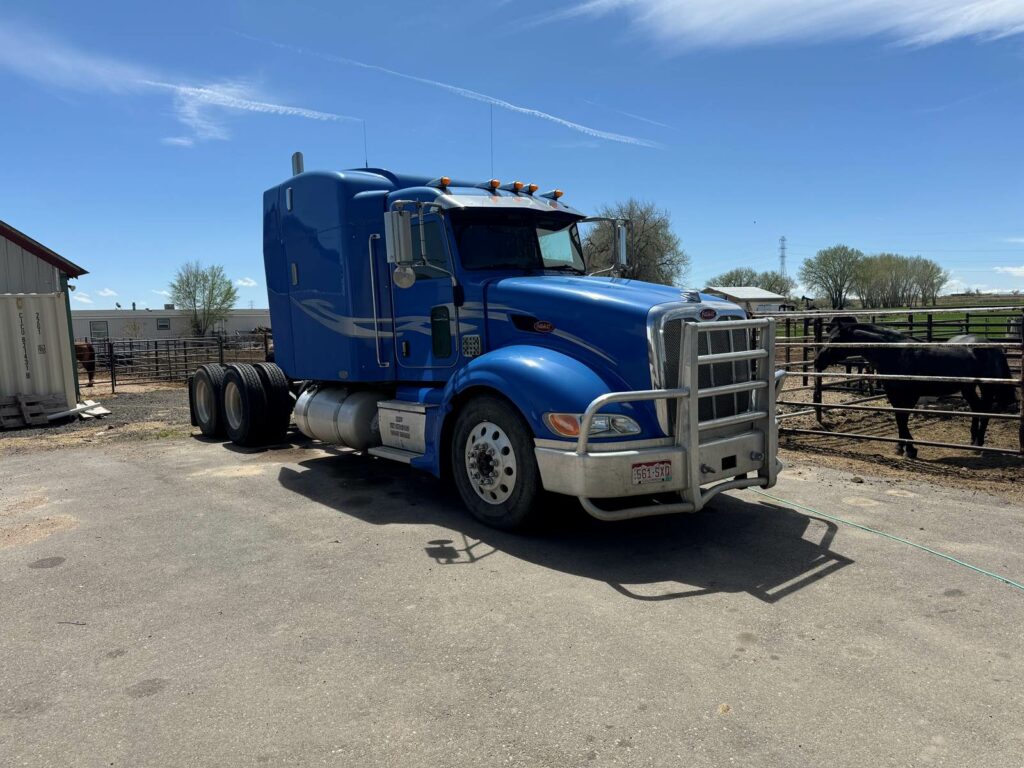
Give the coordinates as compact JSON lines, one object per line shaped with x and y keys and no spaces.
{"x":206,"y":292}
{"x":654,"y":251}
{"x":832,"y":273}
{"x":775,"y":282}
{"x":736,"y":277}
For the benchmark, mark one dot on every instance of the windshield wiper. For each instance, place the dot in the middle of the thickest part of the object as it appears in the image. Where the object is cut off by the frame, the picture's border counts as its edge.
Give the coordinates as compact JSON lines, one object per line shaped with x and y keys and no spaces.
{"x":566,"y":268}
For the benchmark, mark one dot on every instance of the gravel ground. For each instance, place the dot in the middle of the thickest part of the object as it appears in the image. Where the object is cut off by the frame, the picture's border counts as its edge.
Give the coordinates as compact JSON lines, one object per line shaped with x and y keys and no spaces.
{"x":136,"y":413}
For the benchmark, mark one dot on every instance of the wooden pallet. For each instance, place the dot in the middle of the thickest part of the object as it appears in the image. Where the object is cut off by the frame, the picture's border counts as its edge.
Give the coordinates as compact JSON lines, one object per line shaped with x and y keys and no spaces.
{"x":28,"y":410}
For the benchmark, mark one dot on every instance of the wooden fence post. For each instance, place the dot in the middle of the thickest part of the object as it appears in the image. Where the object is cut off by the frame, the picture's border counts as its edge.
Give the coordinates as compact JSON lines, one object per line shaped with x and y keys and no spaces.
{"x":929,"y":332}
{"x":787,"y":341}
{"x":1020,"y":425}
{"x":817,"y":379}
{"x":113,"y":367}
{"x":803,"y":349}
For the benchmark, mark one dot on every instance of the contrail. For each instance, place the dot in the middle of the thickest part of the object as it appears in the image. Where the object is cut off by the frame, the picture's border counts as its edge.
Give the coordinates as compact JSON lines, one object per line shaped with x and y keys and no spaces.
{"x":222,"y":98}
{"x":468,"y":94}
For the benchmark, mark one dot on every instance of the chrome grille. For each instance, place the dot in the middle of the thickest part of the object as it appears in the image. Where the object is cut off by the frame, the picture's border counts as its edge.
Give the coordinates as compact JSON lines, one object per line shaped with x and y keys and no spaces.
{"x":717,"y":374}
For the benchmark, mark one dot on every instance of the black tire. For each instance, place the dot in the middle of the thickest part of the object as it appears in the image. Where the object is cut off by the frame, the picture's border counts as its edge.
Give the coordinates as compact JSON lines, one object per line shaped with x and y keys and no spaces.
{"x":279,"y":400}
{"x":206,"y":399}
{"x":507,"y":490}
{"x":245,"y":405}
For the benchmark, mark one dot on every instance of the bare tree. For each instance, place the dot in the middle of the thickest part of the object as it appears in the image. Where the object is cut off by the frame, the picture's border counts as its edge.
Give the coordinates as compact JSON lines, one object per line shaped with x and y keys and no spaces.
{"x":655,"y":254}
{"x":206,"y":292}
{"x":832,"y":273}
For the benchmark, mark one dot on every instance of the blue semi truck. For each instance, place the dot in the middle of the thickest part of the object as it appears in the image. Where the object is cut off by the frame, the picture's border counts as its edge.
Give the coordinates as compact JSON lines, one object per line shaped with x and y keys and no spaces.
{"x":451,"y":325}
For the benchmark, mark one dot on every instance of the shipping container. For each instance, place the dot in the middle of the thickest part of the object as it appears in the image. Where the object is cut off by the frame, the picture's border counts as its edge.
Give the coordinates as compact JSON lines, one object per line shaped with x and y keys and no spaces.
{"x":36,"y":355}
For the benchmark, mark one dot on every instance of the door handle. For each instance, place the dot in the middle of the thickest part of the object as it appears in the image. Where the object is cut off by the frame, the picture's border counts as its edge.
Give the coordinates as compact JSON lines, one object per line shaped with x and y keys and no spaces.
{"x":373,"y":302}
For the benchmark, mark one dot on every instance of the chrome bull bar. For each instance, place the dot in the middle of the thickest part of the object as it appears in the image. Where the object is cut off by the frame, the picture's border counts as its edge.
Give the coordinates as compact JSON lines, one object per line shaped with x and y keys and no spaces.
{"x":689,"y":428}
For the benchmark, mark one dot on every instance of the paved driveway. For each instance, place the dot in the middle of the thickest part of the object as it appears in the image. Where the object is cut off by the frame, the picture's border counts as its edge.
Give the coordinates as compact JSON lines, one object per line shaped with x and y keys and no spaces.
{"x":180,"y":603}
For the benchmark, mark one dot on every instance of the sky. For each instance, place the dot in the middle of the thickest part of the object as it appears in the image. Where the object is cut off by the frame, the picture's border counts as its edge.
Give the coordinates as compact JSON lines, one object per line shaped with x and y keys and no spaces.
{"x":135,"y":137}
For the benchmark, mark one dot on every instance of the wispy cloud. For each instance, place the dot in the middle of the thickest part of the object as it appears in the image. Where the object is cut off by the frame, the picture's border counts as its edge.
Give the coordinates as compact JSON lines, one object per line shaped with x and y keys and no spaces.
{"x":82,"y":298}
{"x":161,"y":293}
{"x":641,"y":118}
{"x":200,"y":107}
{"x":712,"y":23}
{"x":246,"y":282}
{"x":192,"y":103}
{"x":105,"y":292}
{"x":1015,"y":271}
{"x":1014,"y":240}
{"x":466,"y":93}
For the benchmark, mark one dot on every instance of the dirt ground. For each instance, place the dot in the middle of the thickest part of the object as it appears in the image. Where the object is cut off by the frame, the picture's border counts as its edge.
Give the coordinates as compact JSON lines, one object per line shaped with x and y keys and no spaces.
{"x":137,"y":412}
{"x":993,"y":473}
{"x":155,"y":412}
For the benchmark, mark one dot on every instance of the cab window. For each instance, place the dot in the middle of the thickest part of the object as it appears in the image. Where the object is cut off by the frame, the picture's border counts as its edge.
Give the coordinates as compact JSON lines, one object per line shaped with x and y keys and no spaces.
{"x":436,"y":266}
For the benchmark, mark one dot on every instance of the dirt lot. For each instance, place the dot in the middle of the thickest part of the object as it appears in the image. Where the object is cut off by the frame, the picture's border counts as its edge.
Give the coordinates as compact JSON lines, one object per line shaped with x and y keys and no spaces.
{"x":157,"y":412}
{"x":991,"y":473}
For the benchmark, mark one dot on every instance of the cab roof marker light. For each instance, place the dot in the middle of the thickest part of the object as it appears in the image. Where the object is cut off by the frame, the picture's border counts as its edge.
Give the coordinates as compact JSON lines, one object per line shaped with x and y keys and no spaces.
{"x":492,"y":185}
{"x":514,"y":186}
{"x":554,"y":194}
{"x":442,"y":182}
{"x":531,"y":188}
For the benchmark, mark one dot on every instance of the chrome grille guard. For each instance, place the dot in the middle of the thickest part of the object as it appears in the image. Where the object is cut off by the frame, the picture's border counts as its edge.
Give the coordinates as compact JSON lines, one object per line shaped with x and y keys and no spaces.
{"x":689,"y":428}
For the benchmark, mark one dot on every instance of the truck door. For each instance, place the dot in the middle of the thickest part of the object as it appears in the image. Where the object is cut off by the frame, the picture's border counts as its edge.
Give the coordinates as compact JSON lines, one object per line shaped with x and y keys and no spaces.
{"x":425,"y":316}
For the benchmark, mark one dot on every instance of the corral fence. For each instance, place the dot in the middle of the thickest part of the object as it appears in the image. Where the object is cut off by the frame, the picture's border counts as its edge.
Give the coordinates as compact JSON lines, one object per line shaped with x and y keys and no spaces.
{"x":801,"y":335}
{"x":147,"y":361}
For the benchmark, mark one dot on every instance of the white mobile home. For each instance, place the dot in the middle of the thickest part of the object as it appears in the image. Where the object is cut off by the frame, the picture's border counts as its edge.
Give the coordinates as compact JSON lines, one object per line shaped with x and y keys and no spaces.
{"x":101,"y":324}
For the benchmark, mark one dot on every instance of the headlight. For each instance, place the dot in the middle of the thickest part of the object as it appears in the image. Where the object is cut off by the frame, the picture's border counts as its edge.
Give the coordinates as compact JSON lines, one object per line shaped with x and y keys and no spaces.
{"x":602,"y":425}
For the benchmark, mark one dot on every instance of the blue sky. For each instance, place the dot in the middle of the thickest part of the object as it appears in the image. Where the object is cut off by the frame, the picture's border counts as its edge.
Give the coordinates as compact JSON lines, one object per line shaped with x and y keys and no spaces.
{"x":138,"y":136}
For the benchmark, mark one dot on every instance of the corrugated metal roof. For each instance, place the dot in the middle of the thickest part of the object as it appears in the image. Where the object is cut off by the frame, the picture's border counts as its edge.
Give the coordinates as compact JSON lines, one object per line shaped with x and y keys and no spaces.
{"x":39,"y":250}
{"x":747,"y":293}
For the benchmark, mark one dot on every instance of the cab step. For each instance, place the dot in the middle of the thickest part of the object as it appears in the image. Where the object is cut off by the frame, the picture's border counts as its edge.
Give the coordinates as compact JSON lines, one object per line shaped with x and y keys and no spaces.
{"x":395,"y":454}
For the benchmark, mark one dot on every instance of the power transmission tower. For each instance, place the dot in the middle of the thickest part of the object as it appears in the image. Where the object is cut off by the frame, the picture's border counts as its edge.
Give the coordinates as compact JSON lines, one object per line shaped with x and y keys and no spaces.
{"x":782,"y":255}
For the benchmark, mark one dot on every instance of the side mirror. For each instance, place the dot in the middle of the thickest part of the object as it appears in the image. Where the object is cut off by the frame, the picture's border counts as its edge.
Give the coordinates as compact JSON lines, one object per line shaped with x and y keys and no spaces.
{"x":621,"y":257}
{"x":398,"y":238}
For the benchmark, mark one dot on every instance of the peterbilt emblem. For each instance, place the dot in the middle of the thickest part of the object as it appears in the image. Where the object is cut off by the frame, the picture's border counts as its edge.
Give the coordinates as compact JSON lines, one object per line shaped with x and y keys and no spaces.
{"x":543,"y":326}
{"x":707,"y":314}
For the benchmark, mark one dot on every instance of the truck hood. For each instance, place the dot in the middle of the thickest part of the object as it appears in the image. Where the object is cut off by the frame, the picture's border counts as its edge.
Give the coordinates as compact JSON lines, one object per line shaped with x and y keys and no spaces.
{"x":600,"y":320}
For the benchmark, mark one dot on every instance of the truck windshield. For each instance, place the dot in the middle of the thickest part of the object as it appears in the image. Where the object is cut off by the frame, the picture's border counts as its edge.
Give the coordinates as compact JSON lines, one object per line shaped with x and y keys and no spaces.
{"x":517,"y":240}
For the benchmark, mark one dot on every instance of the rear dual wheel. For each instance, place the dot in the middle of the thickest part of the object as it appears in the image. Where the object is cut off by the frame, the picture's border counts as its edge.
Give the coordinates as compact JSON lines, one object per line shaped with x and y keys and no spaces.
{"x":249,"y":404}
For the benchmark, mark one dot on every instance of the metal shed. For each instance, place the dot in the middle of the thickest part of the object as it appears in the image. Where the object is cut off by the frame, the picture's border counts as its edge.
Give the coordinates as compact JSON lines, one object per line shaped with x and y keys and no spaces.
{"x":37,"y":355}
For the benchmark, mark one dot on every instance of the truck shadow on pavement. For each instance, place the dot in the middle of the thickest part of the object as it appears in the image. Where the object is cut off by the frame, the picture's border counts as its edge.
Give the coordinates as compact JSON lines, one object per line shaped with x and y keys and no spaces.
{"x":736,"y":545}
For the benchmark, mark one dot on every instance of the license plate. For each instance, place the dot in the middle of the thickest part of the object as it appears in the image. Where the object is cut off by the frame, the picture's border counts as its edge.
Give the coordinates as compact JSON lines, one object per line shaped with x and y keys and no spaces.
{"x":652,"y":472}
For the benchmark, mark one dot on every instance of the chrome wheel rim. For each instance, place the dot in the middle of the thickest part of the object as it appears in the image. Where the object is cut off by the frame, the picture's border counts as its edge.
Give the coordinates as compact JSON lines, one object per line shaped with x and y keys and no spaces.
{"x":204,"y":399}
{"x":490,"y":463}
{"x":233,"y":405}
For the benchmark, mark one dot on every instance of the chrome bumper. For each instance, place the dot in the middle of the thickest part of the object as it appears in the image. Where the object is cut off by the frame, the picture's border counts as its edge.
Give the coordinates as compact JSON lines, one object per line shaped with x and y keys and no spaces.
{"x":704,"y":459}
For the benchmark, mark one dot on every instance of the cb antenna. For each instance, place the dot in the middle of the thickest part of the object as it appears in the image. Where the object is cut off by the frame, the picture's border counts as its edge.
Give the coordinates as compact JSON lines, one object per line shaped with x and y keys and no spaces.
{"x":366,"y":161}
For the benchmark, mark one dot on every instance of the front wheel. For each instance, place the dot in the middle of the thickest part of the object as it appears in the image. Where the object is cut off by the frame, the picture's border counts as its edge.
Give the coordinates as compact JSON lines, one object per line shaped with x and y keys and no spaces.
{"x":494,"y":465}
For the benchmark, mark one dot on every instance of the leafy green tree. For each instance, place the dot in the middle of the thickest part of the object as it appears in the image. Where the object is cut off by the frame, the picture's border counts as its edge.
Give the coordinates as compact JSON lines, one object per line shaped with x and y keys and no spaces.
{"x":206,"y":292}
{"x":831,"y":273}
{"x":655,"y":254}
{"x":772,"y":281}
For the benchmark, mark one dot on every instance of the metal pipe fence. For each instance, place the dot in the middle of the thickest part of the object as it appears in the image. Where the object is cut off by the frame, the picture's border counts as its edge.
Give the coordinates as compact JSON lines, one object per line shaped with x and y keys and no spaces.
{"x":149,"y":361}
{"x":801,"y":335}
